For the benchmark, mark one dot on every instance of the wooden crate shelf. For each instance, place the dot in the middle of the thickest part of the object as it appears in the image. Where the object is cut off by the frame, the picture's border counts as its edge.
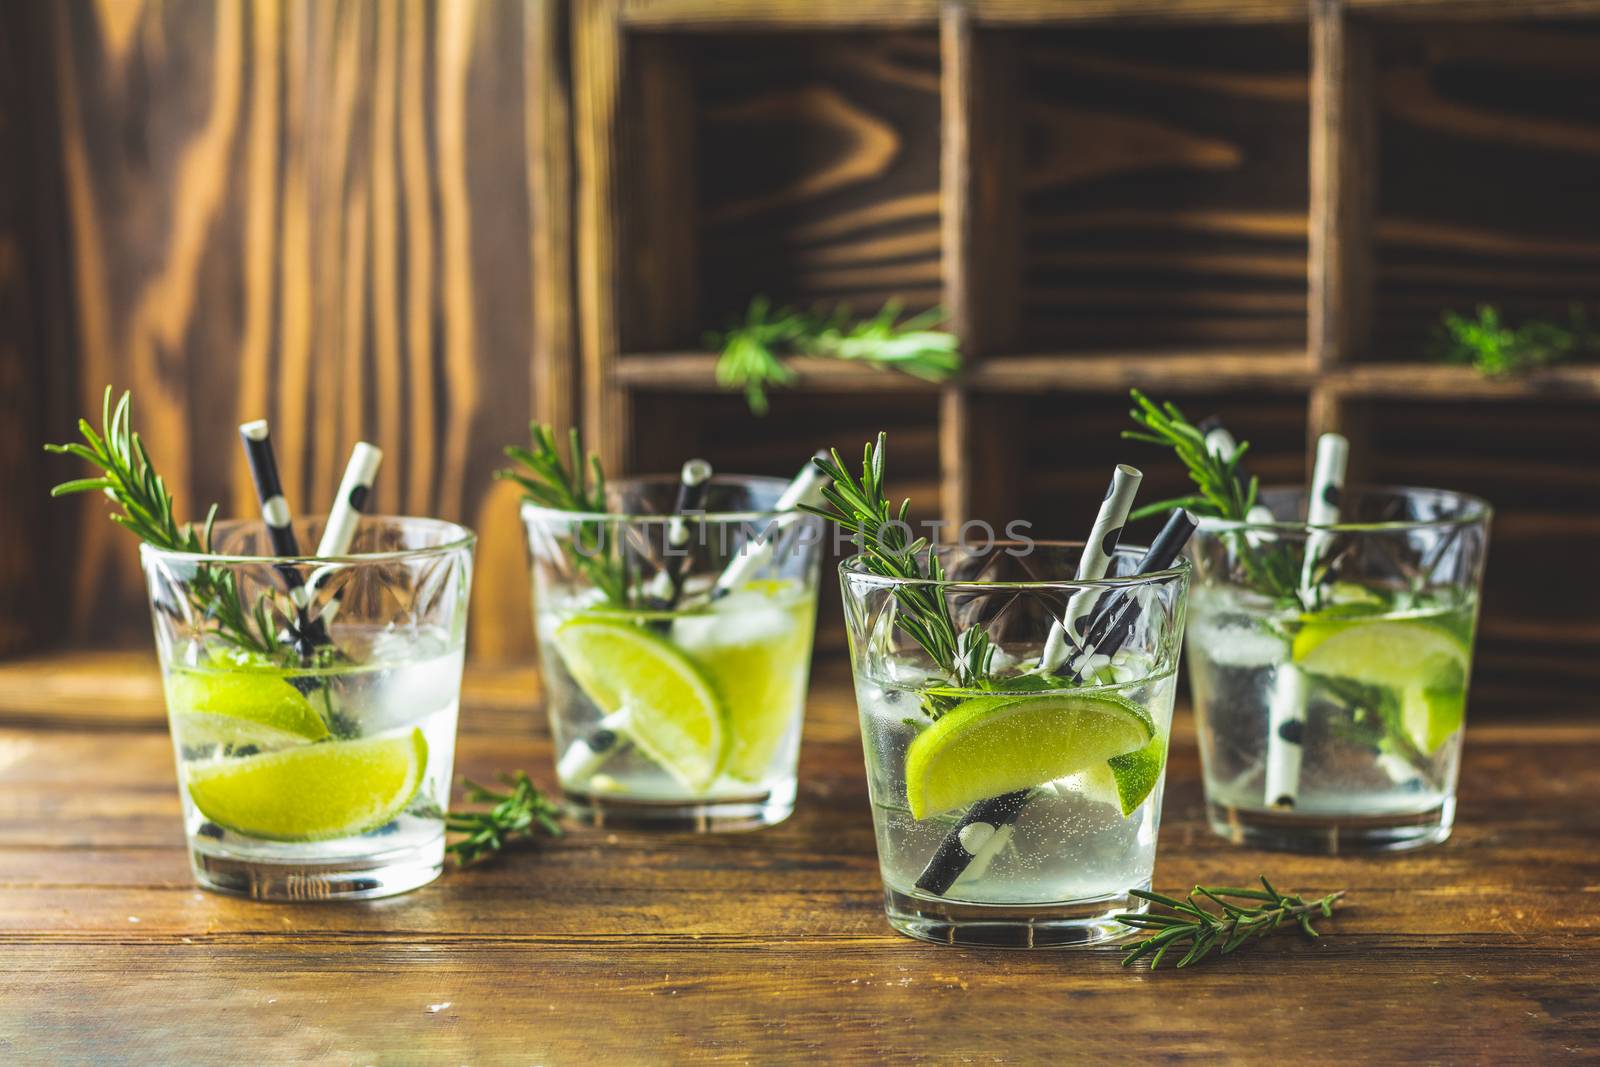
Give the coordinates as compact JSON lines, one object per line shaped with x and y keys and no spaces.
{"x":1222,"y":201}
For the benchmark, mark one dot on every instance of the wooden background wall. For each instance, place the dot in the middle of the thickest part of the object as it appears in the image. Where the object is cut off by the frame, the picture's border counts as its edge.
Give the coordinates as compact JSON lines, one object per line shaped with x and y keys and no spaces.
{"x":324,"y":213}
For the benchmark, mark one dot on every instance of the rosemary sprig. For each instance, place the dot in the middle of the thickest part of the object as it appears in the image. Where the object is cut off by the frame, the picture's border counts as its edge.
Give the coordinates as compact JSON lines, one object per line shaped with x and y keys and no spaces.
{"x":1187,"y":923}
{"x":1222,"y":491}
{"x":882,"y":534}
{"x":1221,"y":488}
{"x":522,"y":812}
{"x":1495,"y":350}
{"x":571,"y":484}
{"x":754,"y":350}
{"x":130,"y":481}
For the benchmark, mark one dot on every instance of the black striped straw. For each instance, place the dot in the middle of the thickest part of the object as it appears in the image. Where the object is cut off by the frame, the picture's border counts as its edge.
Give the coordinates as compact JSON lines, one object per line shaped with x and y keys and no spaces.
{"x":981,"y":830}
{"x":355,"y":491}
{"x":1286,"y":714}
{"x":1097,"y":550}
{"x":308,"y":633}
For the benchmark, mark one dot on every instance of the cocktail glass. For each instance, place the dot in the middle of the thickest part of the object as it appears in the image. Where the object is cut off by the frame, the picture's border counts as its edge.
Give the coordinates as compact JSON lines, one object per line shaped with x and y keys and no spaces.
{"x":1330,"y":713}
{"x":1066,"y":767}
{"x":320,"y":769}
{"x":676,"y":652}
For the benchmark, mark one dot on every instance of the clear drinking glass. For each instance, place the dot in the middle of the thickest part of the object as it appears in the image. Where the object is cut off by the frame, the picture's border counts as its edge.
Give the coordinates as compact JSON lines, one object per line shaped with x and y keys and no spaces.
{"x":1020,"y":812}
{"x":316,"y":768}
{"x":1330,"y":702}
{"x":675,"y":652}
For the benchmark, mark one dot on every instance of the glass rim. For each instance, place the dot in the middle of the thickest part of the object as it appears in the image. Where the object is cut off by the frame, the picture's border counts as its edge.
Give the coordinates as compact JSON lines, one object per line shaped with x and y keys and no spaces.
{"x":532,"y":510}
{"x":465,"y":538}
{"x":1476,"y":510}
{"x":851,"y":568}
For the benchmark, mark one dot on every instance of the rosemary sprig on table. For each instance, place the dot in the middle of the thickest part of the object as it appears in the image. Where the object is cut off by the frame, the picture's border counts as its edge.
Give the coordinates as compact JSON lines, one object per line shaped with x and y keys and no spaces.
{"x":754,"y":351}
{"x":130,"y":481}
{"x":882,"y":534}
{"x":1185,"y":922}
{"x":522,"y":812}
{"x":571,"y":484}
{"x":1496,"y":350}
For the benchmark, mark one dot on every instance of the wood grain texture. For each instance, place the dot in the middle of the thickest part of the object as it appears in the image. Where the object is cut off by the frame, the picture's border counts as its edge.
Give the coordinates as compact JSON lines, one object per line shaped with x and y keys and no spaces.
{"x":324,"y":214}
{"x":1488,"y":154}
{"x":36,"y":372}
{"x":1164,"y":187}
{"x":1343,"y":110}
{"x":771,"y":947}
{"x":818,"y":159}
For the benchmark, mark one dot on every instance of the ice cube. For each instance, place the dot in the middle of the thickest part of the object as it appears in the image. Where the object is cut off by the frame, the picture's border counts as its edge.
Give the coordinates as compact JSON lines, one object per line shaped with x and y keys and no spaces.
{"x":1236,"y":641}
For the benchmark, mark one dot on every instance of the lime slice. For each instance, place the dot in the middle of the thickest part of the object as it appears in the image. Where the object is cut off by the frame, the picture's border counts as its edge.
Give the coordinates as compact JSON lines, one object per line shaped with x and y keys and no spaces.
{"x":674,"y":713}
{"x":241,"y":707}
{"x":313,"y":792}
{"x":757,"y":653}
{"x":1424,"y":663}
{"x":997,"y":744}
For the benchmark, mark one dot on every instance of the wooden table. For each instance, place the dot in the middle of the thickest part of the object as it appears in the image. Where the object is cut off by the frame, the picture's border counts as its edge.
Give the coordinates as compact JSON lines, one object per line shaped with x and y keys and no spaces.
{"x":624,"y":948}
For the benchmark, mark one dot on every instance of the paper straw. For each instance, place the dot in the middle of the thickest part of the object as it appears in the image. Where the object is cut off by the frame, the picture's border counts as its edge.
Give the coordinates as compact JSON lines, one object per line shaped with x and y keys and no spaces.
{"x":587,"y":754}
{"x":1097,"y":550}
{"x":1110,"y":626}
{"x":344,"y":517}
{"x":1286,"y":713}
{"x":806,"y":488}
{"x":275,"y":513}
{"x":351,"y":503}
{"x":694,"y":481}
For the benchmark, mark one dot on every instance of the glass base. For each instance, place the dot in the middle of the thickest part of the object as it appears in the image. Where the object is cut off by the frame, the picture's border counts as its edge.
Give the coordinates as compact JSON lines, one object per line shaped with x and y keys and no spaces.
{"x":1076,"y":924}
{"x":728,"y":814}
{"x":382,"y":874}
{"x":1331,"y":835}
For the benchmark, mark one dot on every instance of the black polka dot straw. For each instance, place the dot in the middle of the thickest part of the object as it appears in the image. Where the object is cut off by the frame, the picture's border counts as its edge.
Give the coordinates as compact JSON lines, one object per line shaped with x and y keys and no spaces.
{"x":1106,"y":631}
{"x":1097,"y":550}
{"x":1286,"y":711}
{"x":344,"y":518}
{"x":355,"y":489}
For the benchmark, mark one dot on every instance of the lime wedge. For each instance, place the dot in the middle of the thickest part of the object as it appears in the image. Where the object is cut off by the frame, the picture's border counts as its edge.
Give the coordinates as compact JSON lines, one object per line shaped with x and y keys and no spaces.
{"x":674,"y":713}
{"x":313,"y":792}
{"x":241,"y":707}
{"x":757,"y":653}
{"x":997,"y":744}
{"x":1424,"y":663}
{"x":1124,"y":781}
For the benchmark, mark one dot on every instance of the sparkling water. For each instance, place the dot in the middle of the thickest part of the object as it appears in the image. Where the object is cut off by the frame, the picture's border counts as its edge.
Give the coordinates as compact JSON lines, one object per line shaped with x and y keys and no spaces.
{"x":753,"y":645}
{"x":1071,"y":843}
{"x":383,"y":683}
{"x":1353,"y":762}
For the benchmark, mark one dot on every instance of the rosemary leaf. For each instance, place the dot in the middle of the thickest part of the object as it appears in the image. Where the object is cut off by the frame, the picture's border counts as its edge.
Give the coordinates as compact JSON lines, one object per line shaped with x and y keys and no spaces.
{"x":754,"y":352}
{"x":1188,"y":923}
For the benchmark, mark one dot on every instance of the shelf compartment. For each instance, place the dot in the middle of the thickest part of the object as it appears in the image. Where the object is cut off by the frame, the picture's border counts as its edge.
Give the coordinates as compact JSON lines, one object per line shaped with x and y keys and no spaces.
{"x":1488,"y":155}
{"x":1164,"y":191}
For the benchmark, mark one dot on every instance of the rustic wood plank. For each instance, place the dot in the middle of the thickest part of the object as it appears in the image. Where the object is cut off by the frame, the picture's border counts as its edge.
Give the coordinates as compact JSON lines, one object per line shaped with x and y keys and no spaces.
{"x":1092,"y":11}
{"x":718,"y":16}
{"x":772,"y":946}
{"x":298,"y":211}
{"x":597,"y":84}
{"x":1343,"y":172}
